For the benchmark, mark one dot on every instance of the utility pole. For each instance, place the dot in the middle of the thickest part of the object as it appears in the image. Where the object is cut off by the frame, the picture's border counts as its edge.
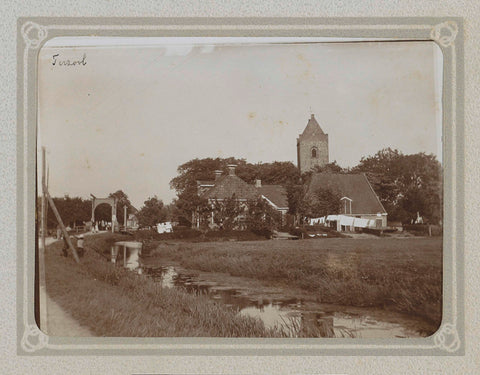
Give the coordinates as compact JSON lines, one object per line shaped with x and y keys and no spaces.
{"x":62,"y":226}
{"x":47,"y":198}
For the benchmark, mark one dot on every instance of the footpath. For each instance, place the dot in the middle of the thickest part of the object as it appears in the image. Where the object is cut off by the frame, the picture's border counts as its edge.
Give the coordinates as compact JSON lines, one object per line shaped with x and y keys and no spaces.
{"x":55,"y":321}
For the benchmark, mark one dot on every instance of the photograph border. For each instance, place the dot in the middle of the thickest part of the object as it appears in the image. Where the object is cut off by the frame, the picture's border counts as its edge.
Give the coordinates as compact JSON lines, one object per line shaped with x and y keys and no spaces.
{"x":446,"y":32}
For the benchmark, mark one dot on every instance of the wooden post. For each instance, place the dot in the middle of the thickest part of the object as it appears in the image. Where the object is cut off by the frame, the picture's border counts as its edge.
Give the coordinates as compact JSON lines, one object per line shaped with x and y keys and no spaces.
{"x":114,"y":214}
{"x":46,"y":202}
{"x":60,"y":222}
{"x":125,"y":217}
{"x":93,"y":211}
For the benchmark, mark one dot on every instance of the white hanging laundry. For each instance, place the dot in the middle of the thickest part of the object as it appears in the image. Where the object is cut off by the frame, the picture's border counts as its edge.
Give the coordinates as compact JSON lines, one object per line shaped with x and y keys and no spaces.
{"x":371,"y":223}
{"x":360,"y":223}
{"x":346,"y":220}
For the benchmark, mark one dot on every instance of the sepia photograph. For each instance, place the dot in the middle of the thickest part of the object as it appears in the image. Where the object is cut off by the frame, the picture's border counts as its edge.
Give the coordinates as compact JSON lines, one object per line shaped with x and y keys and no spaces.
{"x":266,"y":187}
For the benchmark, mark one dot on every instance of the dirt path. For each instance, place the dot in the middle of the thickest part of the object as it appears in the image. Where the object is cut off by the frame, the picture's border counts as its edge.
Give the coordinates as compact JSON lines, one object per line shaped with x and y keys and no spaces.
{"x":54,"y":320}
{"x":60,"y":323}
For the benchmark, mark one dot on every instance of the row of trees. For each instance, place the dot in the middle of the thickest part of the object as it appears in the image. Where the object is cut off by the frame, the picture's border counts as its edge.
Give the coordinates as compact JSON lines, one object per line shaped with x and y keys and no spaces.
{"x":76,"y":210}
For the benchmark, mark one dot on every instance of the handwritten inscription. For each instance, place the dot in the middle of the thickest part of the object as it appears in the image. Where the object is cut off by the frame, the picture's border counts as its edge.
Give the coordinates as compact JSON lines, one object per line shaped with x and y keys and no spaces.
{"x":57,"y":60}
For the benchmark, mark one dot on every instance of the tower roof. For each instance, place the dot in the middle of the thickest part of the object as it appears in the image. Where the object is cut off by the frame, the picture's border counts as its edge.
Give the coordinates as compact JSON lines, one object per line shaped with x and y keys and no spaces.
{"x":312,"y":129}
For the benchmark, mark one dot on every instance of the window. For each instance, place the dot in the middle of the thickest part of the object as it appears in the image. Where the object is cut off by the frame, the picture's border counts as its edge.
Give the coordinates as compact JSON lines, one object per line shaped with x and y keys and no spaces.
{"x":314,"y":152}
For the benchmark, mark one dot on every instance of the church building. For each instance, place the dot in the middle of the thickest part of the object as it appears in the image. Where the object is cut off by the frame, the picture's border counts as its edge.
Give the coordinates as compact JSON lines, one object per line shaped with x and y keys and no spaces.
{"x":312,"y":147}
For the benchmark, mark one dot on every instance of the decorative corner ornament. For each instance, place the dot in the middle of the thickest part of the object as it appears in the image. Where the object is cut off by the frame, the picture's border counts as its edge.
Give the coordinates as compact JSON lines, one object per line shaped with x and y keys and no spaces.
{"x":447,"y":338}
{"x":33,"y":34}
{"x":33,"y":339}
{"x":444,"y":33}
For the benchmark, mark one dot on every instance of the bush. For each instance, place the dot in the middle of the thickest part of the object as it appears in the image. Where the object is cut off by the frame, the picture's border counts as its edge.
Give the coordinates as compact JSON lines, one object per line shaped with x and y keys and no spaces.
{"x":238,"y":235}
{"x":374,"y":231}
{"x":149,"y":234}
{"x":308,"y":230}
{"x":263,"y":232}
{"x":184,"y":233}
{"x":179,"y":233}
{"x":422,"y":229}
{"x":299,"y":232}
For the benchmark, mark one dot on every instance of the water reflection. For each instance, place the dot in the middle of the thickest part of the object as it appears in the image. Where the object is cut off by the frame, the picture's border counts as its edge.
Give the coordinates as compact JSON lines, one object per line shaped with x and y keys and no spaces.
{"x":130,"y":252}
{"x":294,"y":316}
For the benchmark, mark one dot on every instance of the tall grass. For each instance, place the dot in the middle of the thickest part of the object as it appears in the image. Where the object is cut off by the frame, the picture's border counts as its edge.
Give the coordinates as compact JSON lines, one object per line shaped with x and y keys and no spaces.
{"x":404,"y":275}
{"x":113,"y":302}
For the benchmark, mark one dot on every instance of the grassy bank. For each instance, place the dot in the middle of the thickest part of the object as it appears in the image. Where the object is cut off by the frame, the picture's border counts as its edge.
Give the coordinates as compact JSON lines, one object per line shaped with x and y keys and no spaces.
{"x":113,"y":302}
{"x":404,"y":275}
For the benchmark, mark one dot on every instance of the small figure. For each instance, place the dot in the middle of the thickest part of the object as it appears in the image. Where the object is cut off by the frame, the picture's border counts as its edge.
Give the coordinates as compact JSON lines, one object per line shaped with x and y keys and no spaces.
{"x":59,"y":232}
{"x":80,"y":249}
{"x":65,"y":247}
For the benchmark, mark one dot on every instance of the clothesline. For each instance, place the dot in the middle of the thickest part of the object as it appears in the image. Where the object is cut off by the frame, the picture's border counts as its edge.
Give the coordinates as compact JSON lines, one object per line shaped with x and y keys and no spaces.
{"x":344,"y":220}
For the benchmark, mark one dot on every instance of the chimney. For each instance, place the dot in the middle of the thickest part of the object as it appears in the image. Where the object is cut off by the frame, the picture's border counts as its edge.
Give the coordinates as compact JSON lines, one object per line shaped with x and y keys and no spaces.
{"x":258,"y":183}
{"x":231,"y":169}
{"x":218,"y":174}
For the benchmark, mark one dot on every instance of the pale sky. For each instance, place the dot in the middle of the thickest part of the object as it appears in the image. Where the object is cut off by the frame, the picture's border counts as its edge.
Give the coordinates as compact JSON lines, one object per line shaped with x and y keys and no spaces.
{"x":138,"y":109}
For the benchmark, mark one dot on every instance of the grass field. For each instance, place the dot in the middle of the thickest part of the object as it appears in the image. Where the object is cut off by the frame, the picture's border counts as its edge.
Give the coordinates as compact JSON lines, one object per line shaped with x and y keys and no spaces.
{"x":404,"y":275}
{"x":111,"y":301}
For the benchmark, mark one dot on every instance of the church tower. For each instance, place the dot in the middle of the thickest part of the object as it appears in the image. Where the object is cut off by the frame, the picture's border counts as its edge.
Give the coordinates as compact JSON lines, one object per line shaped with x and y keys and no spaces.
{"x":312,"y":147}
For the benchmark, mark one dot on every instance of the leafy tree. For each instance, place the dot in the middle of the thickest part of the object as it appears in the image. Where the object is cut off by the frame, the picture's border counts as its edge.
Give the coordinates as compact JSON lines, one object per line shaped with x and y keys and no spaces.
{"x":152,"y":213}
{"x":295,"y":194}
{"x":276,"y":173}
{"x":189,"y":205}
{"x":405,"y":184}
{"x":332,"y":167}
{"x":72,"y":210}
{"x":226,"y":212}
{"x":122,"y":200}
{"x":171,"y":212}
{"x":200,"y":169}
{"x":261,"y":217}
{"x":323,"y":202}
{"x":103,"y":212}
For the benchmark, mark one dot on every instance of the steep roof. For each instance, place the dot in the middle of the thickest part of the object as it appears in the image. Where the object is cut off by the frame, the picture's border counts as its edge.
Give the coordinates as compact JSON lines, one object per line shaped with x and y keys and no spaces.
{"x":276,"y":194}
{"x":312,"y":129}
{"x":228,"y":185}
{"x":354,"y":186}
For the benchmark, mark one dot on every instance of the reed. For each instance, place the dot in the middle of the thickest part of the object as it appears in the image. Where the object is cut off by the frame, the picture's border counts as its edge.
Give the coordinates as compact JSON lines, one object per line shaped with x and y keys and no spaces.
{"x":111,"y":301}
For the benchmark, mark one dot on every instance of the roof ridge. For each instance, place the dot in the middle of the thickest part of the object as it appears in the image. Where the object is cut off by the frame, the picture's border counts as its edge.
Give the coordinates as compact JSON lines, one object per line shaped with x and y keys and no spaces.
{"x":374,"y":193}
